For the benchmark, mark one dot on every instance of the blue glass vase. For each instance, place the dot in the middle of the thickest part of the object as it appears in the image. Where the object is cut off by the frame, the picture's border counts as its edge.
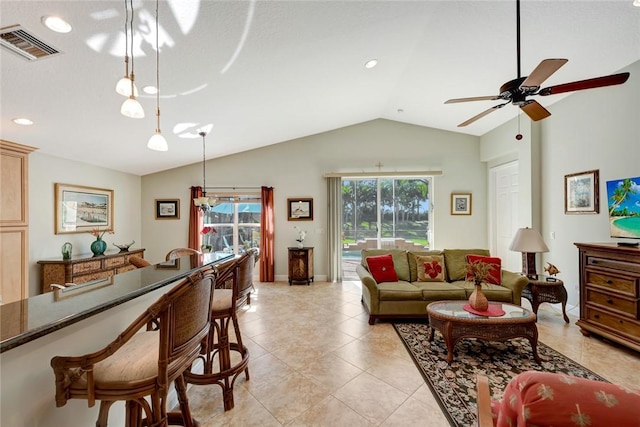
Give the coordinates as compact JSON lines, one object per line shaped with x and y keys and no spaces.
{"x":98,"y":247}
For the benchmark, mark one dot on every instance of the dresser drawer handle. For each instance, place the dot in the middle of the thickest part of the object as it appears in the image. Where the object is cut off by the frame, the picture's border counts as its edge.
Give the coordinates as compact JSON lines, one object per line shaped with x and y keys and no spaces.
{"x":621,"y":321}
{"x":597,"y":316}
{"x":609,"y":301}
{"x":609,"y":282}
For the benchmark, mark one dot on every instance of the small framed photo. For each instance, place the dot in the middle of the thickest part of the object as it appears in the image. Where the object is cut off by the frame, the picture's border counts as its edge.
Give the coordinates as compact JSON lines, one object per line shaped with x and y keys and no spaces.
{"x":167,"y":208}
{"x":460,"y":203}
{"x":581,"y":193}
{"x":300,"y":209}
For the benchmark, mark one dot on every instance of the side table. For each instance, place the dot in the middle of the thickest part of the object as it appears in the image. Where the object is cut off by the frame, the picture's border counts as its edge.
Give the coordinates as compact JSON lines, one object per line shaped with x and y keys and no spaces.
{"x":301,"y":265}
{"x":540,"y":290}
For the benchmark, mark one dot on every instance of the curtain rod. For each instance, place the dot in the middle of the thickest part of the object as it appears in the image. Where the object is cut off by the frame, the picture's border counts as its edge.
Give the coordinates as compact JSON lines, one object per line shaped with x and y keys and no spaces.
{"x":233,"y":188}
{"x":377,"y":174}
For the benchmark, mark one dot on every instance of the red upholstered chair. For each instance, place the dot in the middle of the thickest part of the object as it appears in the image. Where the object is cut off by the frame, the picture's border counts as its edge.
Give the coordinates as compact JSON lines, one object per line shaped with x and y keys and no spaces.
{"x":139,"y":366}
{"x":548,"y":399}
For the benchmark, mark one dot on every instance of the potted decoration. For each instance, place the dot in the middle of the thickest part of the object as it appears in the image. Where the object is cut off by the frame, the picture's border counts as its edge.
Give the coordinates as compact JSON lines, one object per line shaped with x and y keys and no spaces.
{"x":477,"y":272}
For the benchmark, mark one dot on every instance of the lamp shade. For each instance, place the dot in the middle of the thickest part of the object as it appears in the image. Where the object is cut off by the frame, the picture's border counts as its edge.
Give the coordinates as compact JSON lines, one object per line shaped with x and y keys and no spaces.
{"x":132,"y":108}
{"x":157,"y":142}
{"x":124,"y":87}
{"x":528,"y":240}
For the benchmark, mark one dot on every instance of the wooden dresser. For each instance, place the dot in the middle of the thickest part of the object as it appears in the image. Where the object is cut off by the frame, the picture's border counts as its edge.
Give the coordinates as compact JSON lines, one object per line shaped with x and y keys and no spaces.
{"x":85,"y":268}
{"x":610,"y":292}
{"x":300,"y":265}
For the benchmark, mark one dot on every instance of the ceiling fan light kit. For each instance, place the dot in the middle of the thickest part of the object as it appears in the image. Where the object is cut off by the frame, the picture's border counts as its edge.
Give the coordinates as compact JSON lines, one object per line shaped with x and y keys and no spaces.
{"x":518,"y":90}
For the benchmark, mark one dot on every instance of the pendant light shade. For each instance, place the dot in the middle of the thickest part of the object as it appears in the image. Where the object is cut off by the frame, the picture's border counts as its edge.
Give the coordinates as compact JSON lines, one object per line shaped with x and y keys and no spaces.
{"x":132,"y":108}
{"x":124,"y":87}
{"x":157,"y":141}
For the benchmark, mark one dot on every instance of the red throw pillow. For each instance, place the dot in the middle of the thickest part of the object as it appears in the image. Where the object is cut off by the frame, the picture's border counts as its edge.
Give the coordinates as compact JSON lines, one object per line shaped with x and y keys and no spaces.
{"x":495,"y":272}
{"x":381,"y":268}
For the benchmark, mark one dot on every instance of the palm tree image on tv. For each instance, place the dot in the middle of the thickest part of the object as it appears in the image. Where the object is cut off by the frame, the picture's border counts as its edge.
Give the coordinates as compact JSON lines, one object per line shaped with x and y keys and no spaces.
{"x":623,"y":196}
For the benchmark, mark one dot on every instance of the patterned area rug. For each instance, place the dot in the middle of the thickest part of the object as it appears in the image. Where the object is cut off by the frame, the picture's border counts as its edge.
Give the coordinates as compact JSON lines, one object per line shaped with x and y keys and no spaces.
{"x":455,"y":385}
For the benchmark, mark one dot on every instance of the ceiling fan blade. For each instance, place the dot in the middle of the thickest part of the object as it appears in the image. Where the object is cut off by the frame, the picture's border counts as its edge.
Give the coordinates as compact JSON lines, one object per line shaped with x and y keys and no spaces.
{"x":543,"y":71}
{"x":613,"y":79}
{"x":481,"y":115}
{"x":534,"y":110}
{"x":475,"y":98}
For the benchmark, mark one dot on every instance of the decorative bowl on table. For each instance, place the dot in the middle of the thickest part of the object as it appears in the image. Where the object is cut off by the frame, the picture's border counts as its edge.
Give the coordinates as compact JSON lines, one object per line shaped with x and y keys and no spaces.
{"x":125,"y":247}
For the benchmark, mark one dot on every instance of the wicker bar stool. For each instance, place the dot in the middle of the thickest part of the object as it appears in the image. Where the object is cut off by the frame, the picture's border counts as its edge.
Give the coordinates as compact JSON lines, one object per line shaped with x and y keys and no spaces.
{"x":218,"y":344}
{"x":139,"y":366}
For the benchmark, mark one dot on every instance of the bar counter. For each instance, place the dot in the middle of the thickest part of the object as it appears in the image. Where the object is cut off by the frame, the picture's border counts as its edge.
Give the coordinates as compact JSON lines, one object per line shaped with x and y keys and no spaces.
{"x":73,"y":321}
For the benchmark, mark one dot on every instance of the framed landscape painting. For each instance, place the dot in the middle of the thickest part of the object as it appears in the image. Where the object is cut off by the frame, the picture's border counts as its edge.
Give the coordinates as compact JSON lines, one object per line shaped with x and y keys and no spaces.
{"x":581,"y":193}
{"x":81,"y":209}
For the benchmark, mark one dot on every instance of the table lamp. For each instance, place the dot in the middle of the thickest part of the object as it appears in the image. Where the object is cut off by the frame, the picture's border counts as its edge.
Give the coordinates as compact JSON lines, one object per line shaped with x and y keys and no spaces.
{"x":529,"y":242}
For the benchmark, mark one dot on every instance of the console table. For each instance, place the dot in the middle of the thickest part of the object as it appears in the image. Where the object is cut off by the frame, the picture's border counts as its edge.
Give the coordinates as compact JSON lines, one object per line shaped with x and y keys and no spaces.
{"x":610,"y":292}
{"x":85,"y":268}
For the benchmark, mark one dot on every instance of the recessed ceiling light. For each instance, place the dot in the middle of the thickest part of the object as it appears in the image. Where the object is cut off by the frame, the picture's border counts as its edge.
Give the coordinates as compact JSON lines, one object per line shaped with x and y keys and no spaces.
{"x":57,"y":24}
{"x":371,"y":63}
{"x":22,"y":121}
{"x":400,"y":110}
{"x":151,"y":90}
{"x":636,"y":3}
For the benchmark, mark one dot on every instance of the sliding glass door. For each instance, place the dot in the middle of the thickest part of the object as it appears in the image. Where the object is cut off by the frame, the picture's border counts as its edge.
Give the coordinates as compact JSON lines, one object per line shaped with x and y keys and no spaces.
{"x":385,"y":213}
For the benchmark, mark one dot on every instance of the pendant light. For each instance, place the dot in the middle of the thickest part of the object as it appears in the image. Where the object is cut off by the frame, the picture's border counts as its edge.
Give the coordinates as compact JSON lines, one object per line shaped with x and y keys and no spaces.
{"x":123,"y":87}
{"x":131,"y":107}
{"x":203,"y":203}
{"x":157,"y":141}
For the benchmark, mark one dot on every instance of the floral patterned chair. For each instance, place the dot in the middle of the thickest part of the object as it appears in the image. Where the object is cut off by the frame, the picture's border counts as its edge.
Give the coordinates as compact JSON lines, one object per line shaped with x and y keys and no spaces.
{"x":536,"y":398}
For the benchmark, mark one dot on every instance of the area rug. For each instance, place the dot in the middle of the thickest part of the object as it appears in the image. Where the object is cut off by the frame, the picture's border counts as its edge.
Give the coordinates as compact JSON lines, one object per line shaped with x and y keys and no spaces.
{"x":454,"y":386}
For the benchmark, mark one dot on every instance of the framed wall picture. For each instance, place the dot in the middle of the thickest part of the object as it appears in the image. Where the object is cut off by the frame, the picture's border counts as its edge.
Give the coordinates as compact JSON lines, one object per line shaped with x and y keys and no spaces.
{"x":460,"y":203}
{"x":81,"y":209}
{"x":581,"y":193}
{"x":300,"y":209}
{"x":167,"y":208}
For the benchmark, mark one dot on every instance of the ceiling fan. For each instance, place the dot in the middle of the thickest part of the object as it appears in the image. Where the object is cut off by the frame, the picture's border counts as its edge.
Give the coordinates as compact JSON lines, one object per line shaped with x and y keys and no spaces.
{"x":518,"y":90}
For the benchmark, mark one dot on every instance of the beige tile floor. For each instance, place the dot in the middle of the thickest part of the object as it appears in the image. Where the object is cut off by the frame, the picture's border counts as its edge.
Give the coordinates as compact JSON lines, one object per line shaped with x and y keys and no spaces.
{"x":315,"y":361}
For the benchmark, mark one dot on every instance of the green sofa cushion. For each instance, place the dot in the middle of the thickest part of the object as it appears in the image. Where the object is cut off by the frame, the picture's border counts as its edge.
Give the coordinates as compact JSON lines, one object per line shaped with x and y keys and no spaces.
{"x":437,"y":291}
{"x":398,"y":291}
{"x":456,"y":262}
{"x":413,"y":267}
{"x":400,"y":262}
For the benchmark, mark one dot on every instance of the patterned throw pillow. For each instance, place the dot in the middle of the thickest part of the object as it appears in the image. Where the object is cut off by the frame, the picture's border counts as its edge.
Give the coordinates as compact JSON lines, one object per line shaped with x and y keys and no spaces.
{"x":430,"y":268}
{"x":381,"y":268}
{"x":495,"y":271}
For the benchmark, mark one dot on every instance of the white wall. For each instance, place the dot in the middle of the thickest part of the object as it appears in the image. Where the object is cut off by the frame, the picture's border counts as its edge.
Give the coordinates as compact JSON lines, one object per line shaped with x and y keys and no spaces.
{"x":295,"y":169}
{"x":44,"y":172}
{"x":591,"y":129}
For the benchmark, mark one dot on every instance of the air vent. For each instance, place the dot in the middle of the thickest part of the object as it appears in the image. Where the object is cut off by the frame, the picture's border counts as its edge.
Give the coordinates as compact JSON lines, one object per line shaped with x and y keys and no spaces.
{"x":18,"y":40}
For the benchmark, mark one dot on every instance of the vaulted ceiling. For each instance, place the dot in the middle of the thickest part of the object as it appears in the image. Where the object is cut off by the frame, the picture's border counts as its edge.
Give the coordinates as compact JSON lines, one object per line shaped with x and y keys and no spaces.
{"x":263,"y":72}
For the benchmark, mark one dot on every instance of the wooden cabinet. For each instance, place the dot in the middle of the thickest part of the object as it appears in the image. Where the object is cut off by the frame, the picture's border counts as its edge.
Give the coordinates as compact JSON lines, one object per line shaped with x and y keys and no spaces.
{"x":610,"y":292}
{"x":14,"y":221}
{"x":85,"y":268}
{"x":300,"y":265}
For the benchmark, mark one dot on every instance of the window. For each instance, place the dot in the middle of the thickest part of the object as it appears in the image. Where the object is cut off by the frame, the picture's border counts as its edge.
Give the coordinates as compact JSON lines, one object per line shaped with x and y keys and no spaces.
{"x":237,"y":223}
{"x":385,"y":213}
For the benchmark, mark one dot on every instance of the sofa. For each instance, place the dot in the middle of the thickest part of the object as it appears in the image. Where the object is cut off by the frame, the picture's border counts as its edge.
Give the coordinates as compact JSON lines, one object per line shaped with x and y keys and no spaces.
{"x":408,"y":297}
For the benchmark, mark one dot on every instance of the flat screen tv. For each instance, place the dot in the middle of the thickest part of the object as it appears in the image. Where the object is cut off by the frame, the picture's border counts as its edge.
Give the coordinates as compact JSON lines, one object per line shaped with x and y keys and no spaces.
{"x":623,"y":199}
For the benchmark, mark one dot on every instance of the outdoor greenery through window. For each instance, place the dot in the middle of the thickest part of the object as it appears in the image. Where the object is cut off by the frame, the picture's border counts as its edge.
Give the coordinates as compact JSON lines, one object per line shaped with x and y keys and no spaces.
{"x":385,"y":213}
{"x":237,"y":224}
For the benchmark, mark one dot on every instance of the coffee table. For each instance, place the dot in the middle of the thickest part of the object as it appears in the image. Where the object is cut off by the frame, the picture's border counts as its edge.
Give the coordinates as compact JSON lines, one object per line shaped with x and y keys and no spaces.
{"x":454,"y":323}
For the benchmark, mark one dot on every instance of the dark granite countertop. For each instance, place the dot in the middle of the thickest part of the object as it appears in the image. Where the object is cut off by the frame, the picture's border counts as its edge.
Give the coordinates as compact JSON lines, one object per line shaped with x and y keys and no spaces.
{"x":26,"y":320}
